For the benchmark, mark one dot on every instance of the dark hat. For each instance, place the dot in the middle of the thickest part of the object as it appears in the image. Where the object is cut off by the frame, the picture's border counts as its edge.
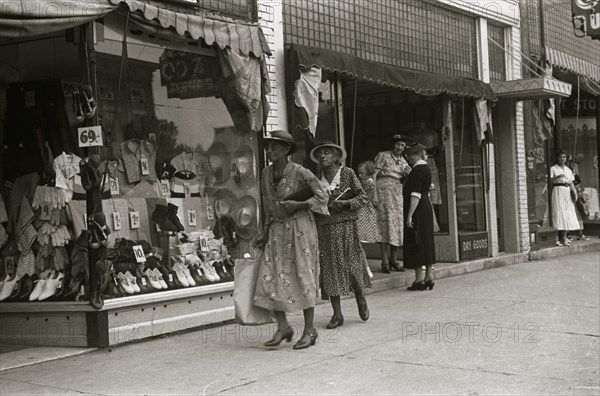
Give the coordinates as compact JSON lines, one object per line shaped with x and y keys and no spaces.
{"x":282,"y":136}
{"x":342,"y":151}
{"x":402,"y":138}
{"x":414,"y":149}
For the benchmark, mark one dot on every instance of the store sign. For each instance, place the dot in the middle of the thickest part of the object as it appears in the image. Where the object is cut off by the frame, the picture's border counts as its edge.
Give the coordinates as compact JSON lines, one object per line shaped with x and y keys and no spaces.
{"x":584,"y":107}
{"x":586,"y":18}
{"x":188,"y":75}
{"x":90,"y":136}
{"x":473,"y":245}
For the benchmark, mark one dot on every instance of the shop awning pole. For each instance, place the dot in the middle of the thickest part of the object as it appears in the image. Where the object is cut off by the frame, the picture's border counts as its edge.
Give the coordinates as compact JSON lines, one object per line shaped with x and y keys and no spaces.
{"x":353,"y":123}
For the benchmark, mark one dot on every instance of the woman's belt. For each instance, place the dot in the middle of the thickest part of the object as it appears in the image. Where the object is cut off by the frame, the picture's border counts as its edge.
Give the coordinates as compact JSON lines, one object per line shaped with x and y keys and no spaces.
{"x":561,"y":185}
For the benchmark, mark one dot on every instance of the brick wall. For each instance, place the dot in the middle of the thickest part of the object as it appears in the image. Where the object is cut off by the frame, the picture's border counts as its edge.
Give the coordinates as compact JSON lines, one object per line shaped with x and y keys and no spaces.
{"x":266,"y":19}
{"x":520,"y":159}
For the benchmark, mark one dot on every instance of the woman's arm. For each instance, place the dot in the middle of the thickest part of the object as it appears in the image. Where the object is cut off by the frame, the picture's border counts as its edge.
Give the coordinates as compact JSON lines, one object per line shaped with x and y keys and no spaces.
{"x":414,"y":202}
{"x":317,"y":203}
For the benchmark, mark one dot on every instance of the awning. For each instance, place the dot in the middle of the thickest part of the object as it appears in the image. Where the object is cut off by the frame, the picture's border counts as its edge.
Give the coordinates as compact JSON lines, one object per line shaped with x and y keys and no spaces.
{"x":25,"y":18}
{"x":575,"y":65}
{"x":387,"y":75}
{"x":531,"y":89}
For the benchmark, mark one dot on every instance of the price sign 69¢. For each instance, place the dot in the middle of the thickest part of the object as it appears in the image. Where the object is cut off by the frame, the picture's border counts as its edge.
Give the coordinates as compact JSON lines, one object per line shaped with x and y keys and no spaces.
{"x":90,"y":136}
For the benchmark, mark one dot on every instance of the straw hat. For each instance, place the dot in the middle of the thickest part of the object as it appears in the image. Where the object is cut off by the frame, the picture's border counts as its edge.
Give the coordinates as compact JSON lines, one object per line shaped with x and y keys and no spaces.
{"x":218,"y":160}
{"x":245,"y":163}
{"x":246,"y":218}
{"x":225,"y":203}
{"x":342,"y":150}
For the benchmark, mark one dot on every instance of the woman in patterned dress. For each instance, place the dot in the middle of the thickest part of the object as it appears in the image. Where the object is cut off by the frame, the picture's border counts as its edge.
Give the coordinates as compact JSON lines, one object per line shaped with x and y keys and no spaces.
{"x":343,"y":260}
{"x":368,"y":229}
{"x":290,"y":260}
{"x":390,"y":171}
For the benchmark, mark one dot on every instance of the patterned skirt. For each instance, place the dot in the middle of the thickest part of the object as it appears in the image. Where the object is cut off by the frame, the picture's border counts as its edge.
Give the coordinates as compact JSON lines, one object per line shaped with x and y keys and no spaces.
{"x":368,"y":229}
{"x":343,"y":260}
{"x":390,"y":213}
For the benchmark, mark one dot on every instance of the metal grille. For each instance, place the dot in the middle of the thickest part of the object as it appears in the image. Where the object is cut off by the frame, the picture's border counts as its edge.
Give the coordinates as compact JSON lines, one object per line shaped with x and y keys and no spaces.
{"x":560,"y":36}
{"x":497,"y":60}
{"x":406,"y":33}
{"x":237,"y":9}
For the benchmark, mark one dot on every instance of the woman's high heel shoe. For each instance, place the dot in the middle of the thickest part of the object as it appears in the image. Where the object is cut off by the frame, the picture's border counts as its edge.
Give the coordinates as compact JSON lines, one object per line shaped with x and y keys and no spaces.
{"x":307,"y":339}
{"x":279,"y":336}
{"x":417,"y":286}
{"x":429,"y":284}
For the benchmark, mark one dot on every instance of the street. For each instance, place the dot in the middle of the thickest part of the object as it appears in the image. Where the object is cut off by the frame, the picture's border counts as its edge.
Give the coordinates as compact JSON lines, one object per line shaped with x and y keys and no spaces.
{"x":529,"y":328}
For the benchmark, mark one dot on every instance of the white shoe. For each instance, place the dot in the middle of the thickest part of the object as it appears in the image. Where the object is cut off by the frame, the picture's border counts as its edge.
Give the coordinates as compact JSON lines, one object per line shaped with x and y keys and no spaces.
{"x":180,"y":274}
{"x":369,"y":272}
{"x":210,"y":272}
{"x":152,"y":279}
{"x":125,"y":283}
{"x":52,"y":285}
{"x":8,"y":287}
{"x":37,"y":290}
{"x":188,"y":275}
{"x":160,"y":278}
{"x":133,"y":282}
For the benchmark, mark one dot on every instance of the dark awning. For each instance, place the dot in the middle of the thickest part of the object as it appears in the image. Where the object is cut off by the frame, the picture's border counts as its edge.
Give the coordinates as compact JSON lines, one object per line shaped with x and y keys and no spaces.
{"x":25,"y":18}
{"x":420,"y":82}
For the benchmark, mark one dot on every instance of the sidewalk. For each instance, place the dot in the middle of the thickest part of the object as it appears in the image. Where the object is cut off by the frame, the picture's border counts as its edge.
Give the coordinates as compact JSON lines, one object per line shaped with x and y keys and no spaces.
{"x":11,"y":358}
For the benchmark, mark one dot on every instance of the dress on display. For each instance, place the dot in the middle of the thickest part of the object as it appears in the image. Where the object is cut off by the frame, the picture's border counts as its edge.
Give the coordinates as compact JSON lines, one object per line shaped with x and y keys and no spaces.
{"x":288,"y":266}
{"x":419,"y":247}
{"x":389,"y":190}
{"x":343,"y":260}
{"x":564,"y":217}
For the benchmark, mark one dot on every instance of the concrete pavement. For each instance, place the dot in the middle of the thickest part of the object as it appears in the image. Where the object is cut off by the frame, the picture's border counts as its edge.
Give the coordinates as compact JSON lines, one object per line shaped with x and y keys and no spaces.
{"x":527,"y":328}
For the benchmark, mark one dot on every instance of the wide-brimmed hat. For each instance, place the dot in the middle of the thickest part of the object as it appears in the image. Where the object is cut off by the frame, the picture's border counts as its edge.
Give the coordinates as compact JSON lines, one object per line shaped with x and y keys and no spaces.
{"x":218,"y":162}
{"x":282,"y":136}
{"x":414,"y":149}
{"x":245,"y":165}
{"x":246,"y":219}
{"x":225,"y":203}
{"x":328,"y":144}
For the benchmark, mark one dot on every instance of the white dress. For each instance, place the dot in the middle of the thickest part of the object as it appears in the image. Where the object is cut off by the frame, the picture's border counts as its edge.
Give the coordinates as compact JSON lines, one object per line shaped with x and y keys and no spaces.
{"x":563,"y":209}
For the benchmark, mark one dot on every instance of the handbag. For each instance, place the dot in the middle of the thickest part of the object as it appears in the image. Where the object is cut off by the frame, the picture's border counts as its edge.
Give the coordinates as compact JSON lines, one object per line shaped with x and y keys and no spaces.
{"x":246,"y":313}
{"x":300,"y":195}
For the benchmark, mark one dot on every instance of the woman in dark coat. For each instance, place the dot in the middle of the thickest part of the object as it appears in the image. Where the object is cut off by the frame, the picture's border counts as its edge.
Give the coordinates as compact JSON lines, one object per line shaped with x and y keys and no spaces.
{"x":419,"y":248}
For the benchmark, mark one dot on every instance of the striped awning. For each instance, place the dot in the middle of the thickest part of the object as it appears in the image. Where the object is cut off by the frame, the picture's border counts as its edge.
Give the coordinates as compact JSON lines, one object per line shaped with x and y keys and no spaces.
{"x":26,"y":18}
{"x":572,"y":64}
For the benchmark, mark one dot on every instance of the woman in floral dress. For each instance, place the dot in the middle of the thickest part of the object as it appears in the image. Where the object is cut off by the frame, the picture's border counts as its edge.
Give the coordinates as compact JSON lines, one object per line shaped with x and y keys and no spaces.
{"x":390,"y":171}
{"x":290,"y":253}
{"x":342,"y":258}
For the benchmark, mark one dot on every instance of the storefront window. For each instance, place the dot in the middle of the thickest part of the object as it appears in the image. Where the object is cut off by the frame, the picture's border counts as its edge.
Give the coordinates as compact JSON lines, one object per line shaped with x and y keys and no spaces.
{"x":175,"y":143}
{"x":469,"y":169}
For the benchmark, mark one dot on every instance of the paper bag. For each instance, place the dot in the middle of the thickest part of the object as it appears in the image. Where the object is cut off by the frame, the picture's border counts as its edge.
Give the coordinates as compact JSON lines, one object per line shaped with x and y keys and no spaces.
{"x":246,"y":313}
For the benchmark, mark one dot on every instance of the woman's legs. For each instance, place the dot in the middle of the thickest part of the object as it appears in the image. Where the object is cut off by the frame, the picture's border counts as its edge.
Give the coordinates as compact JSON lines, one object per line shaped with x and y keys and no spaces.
{"x":419,"y":274}
{"x":336,"y":304}
{"x":282,"y":322}
{"x":385,"y":266}
{"x":562,"y":236}
{"x":309,"y":320}
{"x":428,"y":273}
{"x":393,"y":250}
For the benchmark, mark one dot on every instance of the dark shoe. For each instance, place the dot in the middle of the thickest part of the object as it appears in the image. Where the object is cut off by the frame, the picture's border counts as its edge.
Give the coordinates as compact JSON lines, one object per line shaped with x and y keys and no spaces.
{"x":229,"y":266}
{"x":307,"y":339}
{"x":335,"y":322}
{"x":279,"y":336}
{"x":172,"y":216}
{"x":218,"y":266}
{"x":429,"y":284}
{"x":417,"y":286}
{"x":160,"y":216}
{"x":385,"y":268}
{"x":363,"y":311}
{"x":395,"y":266}
{"x":27,"y":283}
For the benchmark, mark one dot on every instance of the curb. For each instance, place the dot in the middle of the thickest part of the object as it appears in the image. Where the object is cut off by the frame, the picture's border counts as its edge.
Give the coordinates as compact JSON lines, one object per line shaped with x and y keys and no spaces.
{"x":37,"y":355}
{"x":561,"y":251}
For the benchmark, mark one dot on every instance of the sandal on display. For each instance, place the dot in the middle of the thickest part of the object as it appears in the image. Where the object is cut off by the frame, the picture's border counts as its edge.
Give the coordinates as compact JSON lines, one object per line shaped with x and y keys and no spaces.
{"x":87,"y":99}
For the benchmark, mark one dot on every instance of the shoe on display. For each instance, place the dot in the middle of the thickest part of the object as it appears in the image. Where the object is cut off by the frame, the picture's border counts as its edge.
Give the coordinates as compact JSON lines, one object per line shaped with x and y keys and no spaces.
{"x":168,"y":277}
{"x":132,"y":282}
{"x":218,"y":267}
{"x":180,"y":277}
{"x":160,"y":278}
{"x":77,"y":107}
{"x":39,"y":286}
{"x":26,"y":287}
{"x":125,"y":283}
{"x":210,"y":272}
{"x":152,"y":279}
{"x":188,"y":275}
{"x":8,"y":287}
{"x":160,"y":217}
{"x":52,"y":285}
{"x":88,"y":103}
{"x":230,"y":266}
{"x":173,"y":218}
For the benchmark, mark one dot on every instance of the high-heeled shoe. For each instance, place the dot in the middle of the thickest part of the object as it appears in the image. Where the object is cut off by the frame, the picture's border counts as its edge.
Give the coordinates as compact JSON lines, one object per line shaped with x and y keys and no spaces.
{"x":279,"y":336}
{"x":307,"y":339}
{"x":385,"y":267}
{"x":429,"y":284}
{"x":395,"y":266}
{"x":335,"y":322}
{"x":417,"y":286}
